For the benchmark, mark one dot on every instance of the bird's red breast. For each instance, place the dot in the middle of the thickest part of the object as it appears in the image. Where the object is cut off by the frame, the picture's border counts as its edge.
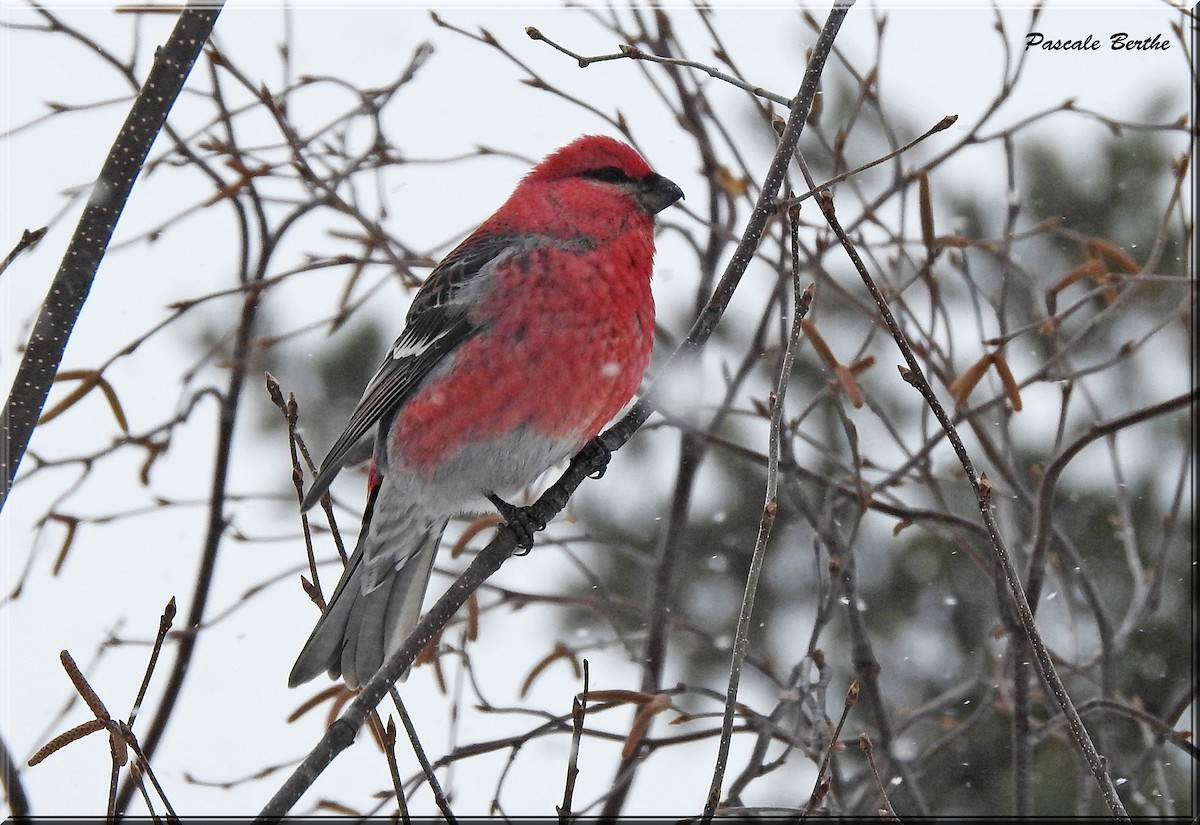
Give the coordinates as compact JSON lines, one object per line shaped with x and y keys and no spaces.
{"x":566,"y":317}
{"x":569,"y":335}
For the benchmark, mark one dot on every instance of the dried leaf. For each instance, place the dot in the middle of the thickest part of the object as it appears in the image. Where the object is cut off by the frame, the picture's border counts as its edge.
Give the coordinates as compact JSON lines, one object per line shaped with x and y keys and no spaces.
{"x":1090,"y":268}
{"x":560,"y":651}
{"x":377,"y":731}
{"x":429,"y":652}
{"x":822,"y":349}
{"x":951,"y":241}
{"x":731,"y":185}
{"x":1116,"y":256}
{"x":315,"y":700}
{"x":862,"y":365}
{"x":620,"y":697}
{"x":85,"y":690}
{"x":64,"y":739}
{"x":925,"y":200}
{"x":641,"y":723}
{"x":473,"y":618}
{"x":473,"y":529}
{"x":1006,"y":378}
{"x":965,"y":383}
{"x":117,"y":745}
{"x":72,"y":524}
{"x":339,"y":808}
{"x":88,"y":381}
{"x":846,"y":379}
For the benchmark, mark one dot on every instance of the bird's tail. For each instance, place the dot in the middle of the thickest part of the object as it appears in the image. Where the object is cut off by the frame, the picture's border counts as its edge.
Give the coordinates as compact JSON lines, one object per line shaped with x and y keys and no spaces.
{"x":373,"y":609}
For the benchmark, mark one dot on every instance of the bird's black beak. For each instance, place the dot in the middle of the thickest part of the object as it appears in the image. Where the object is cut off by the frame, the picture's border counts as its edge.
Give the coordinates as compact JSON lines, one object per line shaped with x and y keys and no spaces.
{"x":654,"y":193}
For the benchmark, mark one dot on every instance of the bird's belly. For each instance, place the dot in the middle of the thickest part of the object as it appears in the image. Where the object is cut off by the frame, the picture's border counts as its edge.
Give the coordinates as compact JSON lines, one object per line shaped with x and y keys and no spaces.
{"x":504,"y":465}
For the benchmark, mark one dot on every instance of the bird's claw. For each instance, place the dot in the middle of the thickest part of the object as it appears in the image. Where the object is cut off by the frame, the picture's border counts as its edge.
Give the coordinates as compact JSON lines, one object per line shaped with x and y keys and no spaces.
{"x":521,"y":520}
{"x":594,"y":452}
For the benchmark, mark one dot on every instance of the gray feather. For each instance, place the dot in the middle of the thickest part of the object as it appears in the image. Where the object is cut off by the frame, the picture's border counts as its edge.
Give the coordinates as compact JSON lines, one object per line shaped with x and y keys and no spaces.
{"x":361,"y":625}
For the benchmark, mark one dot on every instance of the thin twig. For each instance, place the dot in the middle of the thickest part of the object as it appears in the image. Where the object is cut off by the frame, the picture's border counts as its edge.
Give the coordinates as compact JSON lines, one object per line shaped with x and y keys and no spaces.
{"x":821,"y":784}
{"x":389,"y":750}
{"x":982,"y":488}
{"x":578,"y":715}
{"x":940,"y":126}
{"x":864,"y":744}
{"x":439,"y":796}
{"x":29,"y":239}
{"x":164,"y":626}
{"x":801,"y":303}
{"x":628,"y":52}
{"x":291,"y":414}
{"x":143,"y":765}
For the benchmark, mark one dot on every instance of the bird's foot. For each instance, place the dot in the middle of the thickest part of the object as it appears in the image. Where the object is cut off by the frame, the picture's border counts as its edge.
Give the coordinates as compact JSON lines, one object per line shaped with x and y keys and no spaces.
{"x":594,"y":452}
{"x":521,"y":520}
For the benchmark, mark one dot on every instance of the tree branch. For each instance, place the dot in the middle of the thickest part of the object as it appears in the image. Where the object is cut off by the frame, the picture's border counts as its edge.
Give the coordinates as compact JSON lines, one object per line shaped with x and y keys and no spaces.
{"x":172,"y":64}
{"x":913,"y":375}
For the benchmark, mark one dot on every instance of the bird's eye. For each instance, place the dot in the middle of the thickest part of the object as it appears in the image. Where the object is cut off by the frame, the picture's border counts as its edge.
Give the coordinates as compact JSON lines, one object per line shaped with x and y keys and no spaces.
{"x":607,"y":174}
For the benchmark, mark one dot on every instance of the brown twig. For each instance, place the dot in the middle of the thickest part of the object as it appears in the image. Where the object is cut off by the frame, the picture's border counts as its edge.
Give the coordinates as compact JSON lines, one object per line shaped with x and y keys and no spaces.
{"x":822,"y":783}
{"x":410,"y":730}
{"x":291,"y":414}
{"x":629,"y":52}
{"x":28,"y":240}
{"x":913,"y":375}
{"x":864,"y":744}
{"x":802,"y":301}
{"x":578,"y":716}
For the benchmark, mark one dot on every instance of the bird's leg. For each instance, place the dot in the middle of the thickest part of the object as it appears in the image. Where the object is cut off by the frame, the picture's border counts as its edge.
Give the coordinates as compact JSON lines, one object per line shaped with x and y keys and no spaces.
{"x":521,"y":520}
{"x":594,"y":452}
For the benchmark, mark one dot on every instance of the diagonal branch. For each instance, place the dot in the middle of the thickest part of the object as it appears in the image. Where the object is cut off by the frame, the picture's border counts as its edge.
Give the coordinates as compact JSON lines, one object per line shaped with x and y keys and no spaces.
{"x":172,"y":64}
{"x":341,"y":733}
{"x":912,"y":374}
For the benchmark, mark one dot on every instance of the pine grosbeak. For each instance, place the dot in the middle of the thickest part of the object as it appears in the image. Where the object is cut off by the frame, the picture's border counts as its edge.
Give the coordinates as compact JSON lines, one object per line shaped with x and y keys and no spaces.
{"x":525,"y":341}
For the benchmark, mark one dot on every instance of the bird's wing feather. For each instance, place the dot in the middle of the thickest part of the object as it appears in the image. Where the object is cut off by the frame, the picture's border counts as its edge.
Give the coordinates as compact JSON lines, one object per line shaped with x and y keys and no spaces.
{"x":439,"y":321}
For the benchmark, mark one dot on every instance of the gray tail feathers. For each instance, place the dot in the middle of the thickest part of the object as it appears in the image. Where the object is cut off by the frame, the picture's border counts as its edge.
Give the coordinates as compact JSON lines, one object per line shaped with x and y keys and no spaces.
{"x":366,"y":622}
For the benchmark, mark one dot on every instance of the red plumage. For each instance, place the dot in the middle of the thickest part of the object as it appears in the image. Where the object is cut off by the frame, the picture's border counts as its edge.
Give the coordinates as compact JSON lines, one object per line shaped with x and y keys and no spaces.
{"x":529,"y":337}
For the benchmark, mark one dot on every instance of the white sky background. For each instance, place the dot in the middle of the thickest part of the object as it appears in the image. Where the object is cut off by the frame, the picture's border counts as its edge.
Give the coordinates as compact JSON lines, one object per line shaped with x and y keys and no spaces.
{"x":939,"y":59}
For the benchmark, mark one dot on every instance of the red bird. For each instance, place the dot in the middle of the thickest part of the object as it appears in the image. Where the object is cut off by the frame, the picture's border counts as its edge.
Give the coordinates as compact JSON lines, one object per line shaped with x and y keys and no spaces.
{"x":525,"y":341}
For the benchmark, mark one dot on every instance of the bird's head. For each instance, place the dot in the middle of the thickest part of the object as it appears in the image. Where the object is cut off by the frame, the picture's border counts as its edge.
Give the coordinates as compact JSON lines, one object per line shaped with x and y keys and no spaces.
{"x":610,"y":166}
